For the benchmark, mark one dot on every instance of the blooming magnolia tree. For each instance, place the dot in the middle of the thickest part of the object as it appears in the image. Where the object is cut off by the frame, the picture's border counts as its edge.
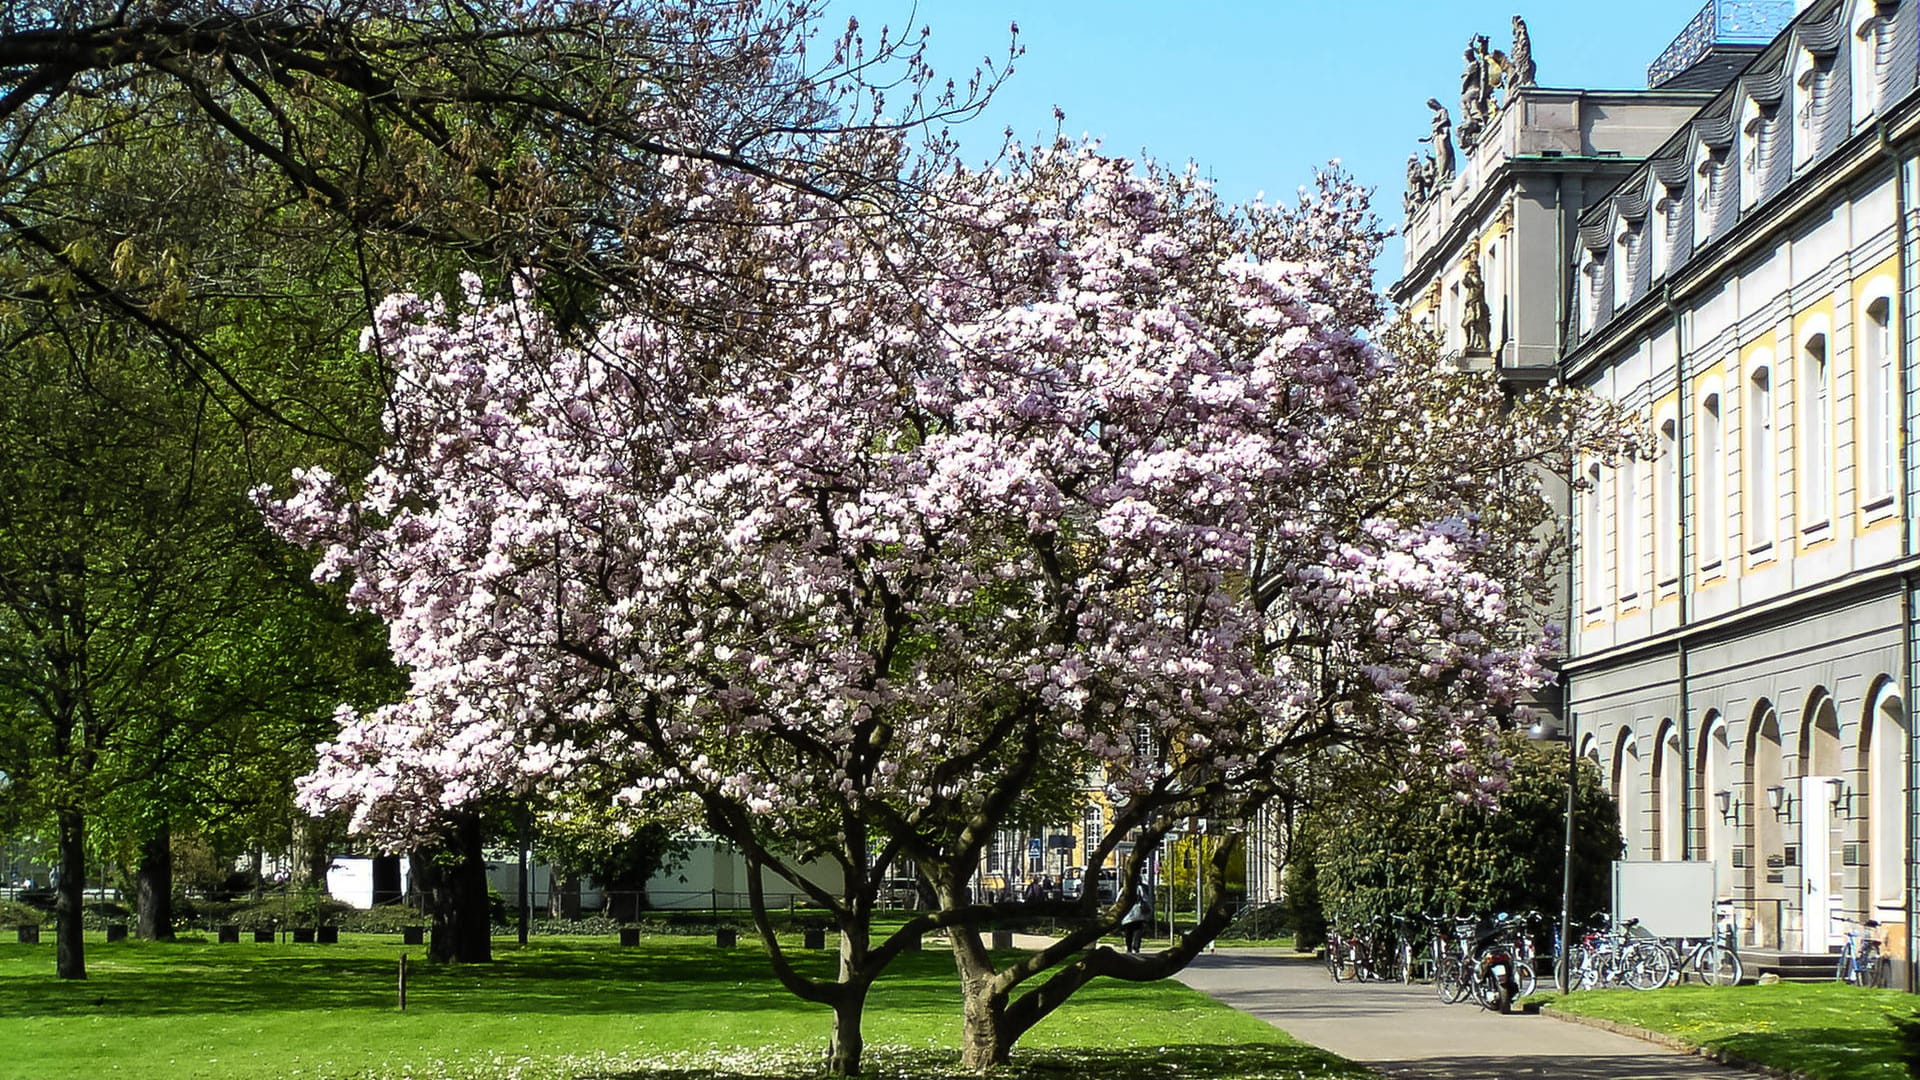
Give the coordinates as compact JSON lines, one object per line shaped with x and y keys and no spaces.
{"x":1076,"y":481}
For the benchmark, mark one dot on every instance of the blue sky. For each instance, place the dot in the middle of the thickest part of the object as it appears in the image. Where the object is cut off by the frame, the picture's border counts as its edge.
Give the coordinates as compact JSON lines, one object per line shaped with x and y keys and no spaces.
{"x":1259,"y":94}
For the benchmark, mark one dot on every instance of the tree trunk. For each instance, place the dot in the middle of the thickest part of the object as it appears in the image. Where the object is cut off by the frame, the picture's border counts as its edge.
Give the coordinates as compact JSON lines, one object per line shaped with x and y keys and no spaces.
{"x":565,"y":899}
{"x":984,"y":1042}
{"x":154,"y":889}
{"x":70,"y":961}
{"x":312,"y":853}
{"x":452,"y":879}
{"x":984,"y":1037}
{"x":843,"y":1053}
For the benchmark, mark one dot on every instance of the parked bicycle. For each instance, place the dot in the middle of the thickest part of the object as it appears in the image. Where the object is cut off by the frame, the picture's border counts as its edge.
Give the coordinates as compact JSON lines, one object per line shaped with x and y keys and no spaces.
{"x":1714,"y":961}
{"x":1623,"y":957}
{"x":1860,"y":961}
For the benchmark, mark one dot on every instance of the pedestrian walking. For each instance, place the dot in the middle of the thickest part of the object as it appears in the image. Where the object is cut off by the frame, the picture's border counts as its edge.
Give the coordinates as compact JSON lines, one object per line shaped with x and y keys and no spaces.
{"x":1136,"y":921}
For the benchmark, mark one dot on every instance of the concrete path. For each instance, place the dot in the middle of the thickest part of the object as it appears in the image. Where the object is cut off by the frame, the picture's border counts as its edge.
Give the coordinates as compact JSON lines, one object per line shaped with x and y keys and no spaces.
{"x":1405,"y":1032}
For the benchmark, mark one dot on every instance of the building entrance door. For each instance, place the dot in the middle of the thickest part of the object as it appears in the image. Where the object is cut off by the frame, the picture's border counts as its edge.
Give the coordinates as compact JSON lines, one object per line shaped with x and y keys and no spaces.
{"x":1819,"y":890}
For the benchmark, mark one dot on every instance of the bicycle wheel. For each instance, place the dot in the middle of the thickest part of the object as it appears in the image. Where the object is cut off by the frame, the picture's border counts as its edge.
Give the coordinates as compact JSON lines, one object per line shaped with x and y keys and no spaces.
{"x":1524,"y":978}
{"x":1489,"y":992}
{"x":1646,"y":965}
{"x":1843,"y":970}
{"x":1875,"y":974}
{"x":1721,"y":967}
{"x":1339,"y":961}
{"x":1450,"y":981}
{"x":1406,"y":963}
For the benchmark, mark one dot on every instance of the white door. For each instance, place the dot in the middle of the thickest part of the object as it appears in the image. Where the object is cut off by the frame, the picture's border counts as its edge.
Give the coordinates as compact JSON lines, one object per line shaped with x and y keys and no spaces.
{"x":1820,"y":899}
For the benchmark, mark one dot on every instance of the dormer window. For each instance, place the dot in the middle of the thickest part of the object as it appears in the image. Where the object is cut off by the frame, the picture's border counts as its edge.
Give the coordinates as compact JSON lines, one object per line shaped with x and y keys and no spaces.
{"x":1872,"y":59}
{"x":1815,"y":97}
{"x":1710,"y":166}
{"x":1626,"y":253}
{"x":1666,"y":214}
{"x":1595,"y":273}
{"x":1760,"y":143}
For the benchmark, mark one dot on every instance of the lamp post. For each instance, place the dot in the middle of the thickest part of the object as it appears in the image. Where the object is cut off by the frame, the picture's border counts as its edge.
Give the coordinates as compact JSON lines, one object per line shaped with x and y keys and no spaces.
{"x":1562,"y":966}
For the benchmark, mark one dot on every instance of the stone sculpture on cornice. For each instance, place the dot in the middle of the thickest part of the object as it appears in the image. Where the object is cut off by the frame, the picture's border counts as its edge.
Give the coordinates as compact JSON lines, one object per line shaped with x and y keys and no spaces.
{"x":1474,"y":94}
{"x":1442,"y":140}
{"x":1520,"y":66}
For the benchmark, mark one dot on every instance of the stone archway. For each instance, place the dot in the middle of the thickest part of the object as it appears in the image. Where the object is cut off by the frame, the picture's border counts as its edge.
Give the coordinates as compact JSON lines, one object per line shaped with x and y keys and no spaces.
{"x":1629,"y":794}
{"x":1669,"y":814}
{"x":1722,"y":804}
{"x":1764,"y":835}
{"x":1816,"y":824}
{"x":1878,"y":794}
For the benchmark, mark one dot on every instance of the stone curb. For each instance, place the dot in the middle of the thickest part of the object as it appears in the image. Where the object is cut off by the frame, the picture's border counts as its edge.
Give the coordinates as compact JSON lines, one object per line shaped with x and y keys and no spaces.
{"x":1670,"y":1042}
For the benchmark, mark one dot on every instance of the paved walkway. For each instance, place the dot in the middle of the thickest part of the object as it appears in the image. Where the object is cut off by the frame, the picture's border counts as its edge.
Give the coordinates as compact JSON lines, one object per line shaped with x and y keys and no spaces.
{"x":1405,"y":1032}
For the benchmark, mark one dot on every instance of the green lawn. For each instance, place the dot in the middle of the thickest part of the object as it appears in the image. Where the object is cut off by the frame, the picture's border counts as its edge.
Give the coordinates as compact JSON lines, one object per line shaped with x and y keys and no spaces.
{"x":1824,"y":1030}
{"x":675,"y":1008}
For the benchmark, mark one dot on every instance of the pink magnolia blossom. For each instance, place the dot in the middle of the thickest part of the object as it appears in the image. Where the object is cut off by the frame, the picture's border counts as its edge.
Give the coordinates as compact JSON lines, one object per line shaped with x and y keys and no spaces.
{"x":1086,"y":458}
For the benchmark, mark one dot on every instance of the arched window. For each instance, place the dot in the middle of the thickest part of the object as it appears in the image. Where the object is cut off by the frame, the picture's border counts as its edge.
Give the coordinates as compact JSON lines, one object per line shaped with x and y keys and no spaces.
{"x":1666,"y":515}
{"x":1763,"y":509}
{"x":1816,"y":432}
{"x":1879,"y":399}
{"x":1711,"y":492}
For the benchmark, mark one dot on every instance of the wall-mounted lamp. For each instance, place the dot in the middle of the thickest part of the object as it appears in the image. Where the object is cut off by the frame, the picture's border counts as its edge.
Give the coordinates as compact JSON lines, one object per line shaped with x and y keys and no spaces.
{"x":1842,"y":797}
{"x":1729,"y":806}
{"x":1781,"y":801}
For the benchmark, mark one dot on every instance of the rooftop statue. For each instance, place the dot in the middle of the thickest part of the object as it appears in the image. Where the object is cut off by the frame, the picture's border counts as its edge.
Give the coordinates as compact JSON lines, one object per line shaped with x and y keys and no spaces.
{"x":1485,"y":71}
{"x":1442,"y":140}
{"x":1520,"y":68}
{"x":1421,"y":182}
{"x":1473,"y":93}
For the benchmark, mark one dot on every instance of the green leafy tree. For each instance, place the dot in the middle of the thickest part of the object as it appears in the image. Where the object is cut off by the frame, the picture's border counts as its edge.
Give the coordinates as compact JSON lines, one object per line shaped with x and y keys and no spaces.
{"x":619,"y":848}
{"x":1422,"y":849}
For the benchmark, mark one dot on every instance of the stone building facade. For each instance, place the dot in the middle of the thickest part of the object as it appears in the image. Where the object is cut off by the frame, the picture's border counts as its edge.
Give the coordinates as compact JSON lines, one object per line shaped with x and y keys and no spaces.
{"x":1743,"y":624}
{"x":1731,"y":254}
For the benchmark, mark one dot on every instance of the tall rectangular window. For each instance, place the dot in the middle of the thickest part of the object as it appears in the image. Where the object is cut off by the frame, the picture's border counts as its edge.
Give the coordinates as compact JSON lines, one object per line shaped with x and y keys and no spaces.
{"x":1627,"y":522}
{"x":1816,"y":434}
{"x":1711,"y":491}
{"x":1666,"y":494}
{"x":1762,"y":509}
{"x":1590,"y":533}
{"x":1879,"y":399}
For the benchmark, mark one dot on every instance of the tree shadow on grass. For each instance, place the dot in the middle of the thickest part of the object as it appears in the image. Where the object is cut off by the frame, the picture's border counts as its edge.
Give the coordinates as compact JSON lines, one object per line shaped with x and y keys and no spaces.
{"x":556,"y":978}
{"x":1265,"y":1061}
{"x":1839,"y":1052}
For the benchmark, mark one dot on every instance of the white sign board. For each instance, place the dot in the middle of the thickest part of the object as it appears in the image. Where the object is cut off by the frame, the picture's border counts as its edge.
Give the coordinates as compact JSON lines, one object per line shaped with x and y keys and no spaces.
{"x":1671,"y":899}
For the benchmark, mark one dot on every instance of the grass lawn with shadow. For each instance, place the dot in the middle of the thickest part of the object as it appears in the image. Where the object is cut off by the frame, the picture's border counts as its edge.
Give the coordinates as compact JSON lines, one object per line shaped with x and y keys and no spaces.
{"x":674,"y":1008}
{"x":1825,"y":1030}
